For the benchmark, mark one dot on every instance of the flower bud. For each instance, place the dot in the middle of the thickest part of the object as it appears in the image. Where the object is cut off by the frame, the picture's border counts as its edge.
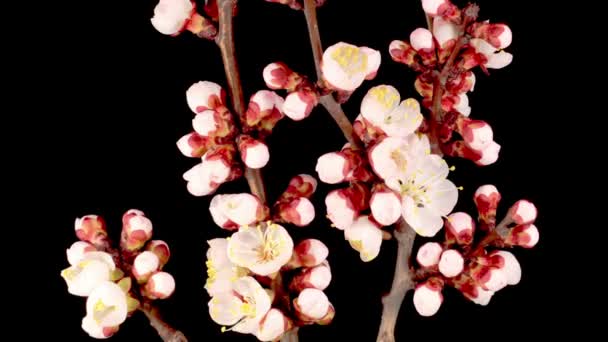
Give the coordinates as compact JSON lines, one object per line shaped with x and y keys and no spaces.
{"x":91,"y":228}
{"x":460,"y":228}
{"x":385,"y":205}
{"x":523,"y":212}
{"x":242,"y":209}
{"x":489,"y":155}
{"x":525,"y":235}
{"x":171,"y":16}
{"x":107,"y":305}
{"x":311,"y":305}
{"x":317,"y":277}
{"x":299,"y":104}
{"x":509,"y":265}
{"x":279,"y":76}
{"x":422,"y":39}
{"x":144,"y":265}
{"x":205,"y":95}
{"x":428,"y":254}
{"x":364,"y":236}
{"x":254,"y":153}
{"x":194,"y":145}
{"x":451,"y":263}
{"x":161,"y":249}
{"x":308,"y":253}
{"x":486,"y":199}
{"x":136,"y":230}
{"x":477,"y":134}
{"x":160,"y":286}
{"x":489,"y":278}
{"x":77,"y":251}
{"x":299,"y":211}
{"x":402,"y":52}
{"x":428,"y":297}
{"x":273,"y":325}
{"x":333,"y":167}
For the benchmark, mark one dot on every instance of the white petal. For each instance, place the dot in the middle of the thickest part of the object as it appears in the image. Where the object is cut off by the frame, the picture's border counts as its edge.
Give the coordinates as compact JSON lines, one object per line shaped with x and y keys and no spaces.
{"x":511,"y":268}
{"x":425,"y":221}
{"x":107,"y":304}
{"x":365,"y":237}
{"x":489,"y":155}
{"x":257,"y":156}
{"x":171,"y":16}
{"x":451,"y":263}
{"x":378,"y":103}
{"x":199,"y":95}
{"x":429,"y":254}
{"x":339,"y":210}
{"x":427,"y":301}
{"x":295,"y":107}
{"x":272,"y":326}
{"x":241,"y":208}
{"x":313,"y":303}
{"x":432,"y":6}
{"x":499,"y":60}
{"x":204,"y":123}
{"x":330,"y":168}
{"x":523,"y":212}
{"x":345,"y":66}
{"x":225,"y":309}
{"x":77,"y":251}
{"x":443,"y":197}
{"x":483,"y":296}
{"x":421,"y":38}
{"x":385,"y":207}
{"x":444,"y":30}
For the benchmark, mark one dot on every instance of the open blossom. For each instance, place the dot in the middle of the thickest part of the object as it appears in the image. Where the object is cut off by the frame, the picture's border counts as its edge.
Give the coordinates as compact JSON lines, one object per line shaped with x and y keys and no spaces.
{"x":171,"y":16}
{"x":93,"y":269}
{"x":106,"y":309}
{"x":263,"y":249}
{"x":365,"y":236}
{"x":393,"y":156}
{"x":346,"y":66}
{"x":243,"y":308}
{"x":233,"y":210}
{"x":382,"y":108}
{"x":221,"y":272}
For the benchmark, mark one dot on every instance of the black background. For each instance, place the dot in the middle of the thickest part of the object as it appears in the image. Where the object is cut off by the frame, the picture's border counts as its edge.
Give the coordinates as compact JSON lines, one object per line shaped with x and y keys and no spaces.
{"x":120,"y":107}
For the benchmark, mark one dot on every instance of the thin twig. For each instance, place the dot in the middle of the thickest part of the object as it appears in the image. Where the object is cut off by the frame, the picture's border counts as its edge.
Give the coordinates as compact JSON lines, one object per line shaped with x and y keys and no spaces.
{"x":225,"y":41}
{"x":402,"y":282}
{"x":165,"y":331}
{"x":328,"y":101}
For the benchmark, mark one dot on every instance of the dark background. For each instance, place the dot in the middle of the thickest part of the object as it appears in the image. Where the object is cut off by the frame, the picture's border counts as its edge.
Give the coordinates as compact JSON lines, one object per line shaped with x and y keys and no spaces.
{"x":120,"y":107}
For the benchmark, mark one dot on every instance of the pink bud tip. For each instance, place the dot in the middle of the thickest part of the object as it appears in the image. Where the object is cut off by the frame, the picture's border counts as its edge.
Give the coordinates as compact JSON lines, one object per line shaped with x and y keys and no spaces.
{"x":461,"y":226}
{"x":421,"y":39}
{"x":276,"y":75}
{"x":526,"y":236}
{"x":428,"y":254}
{"x":451,"y":263}
{"x":477,"y":134}
{"x":311,"y":252}
{"x":523,"y":212}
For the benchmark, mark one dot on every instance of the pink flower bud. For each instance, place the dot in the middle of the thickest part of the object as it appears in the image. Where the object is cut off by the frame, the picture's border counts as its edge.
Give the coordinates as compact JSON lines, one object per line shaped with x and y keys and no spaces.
{"x":205,"y":95}
{"x":299,"y":104}
{"x":91,"y":228}
{"x":302,"y":185}
{"x":160,"y":286}
{"x":90,"y":326}
{"x":444,"y":31}
{"x":136,"y":230}
{"x":144,"y":265}
{"x":264,"y":104}
{"x":77,"y":251}
{"x":451,"y":263}
{"x":277,"y":75}
{"x":317,"y":277}
{"x":509,"y":265}
{"x":480,"y":296}
{"x":486,"y":199}
{"x":433,"y":7}
{"x":460,"y":228}
{"x":206,"y":122}
{"x":489,"y":155}
{"x":340,"y":209}
{"x":523,"y":212}
{"x":461,"y":104}
{"x":193,"y":145}
{"x":216,"y":208}
{"x":199,"y":180}
{"x":273,"y":326}
{"x":171,"y":16}
{"x":421,"y":39}
{"x":402,"y":52}
{"x":489,"y":278}
{"x":364,"y":236}
{"x":428,"y":254}
{"x":254,"y":153}
{"x":311,"y":305}
{"x":428,"y":297}
{"x":477,"y":134}
{"x":333,"y":167}
{"x":525,"y":235}
{"x":299,"y":211}
{"x":161,"y":249}
{"x":309,"y":253}
{"x":385,"y":205}
{"x":498,"y":35}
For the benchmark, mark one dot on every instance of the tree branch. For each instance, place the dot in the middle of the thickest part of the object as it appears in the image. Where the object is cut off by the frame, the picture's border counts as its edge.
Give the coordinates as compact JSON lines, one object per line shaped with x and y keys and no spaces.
{"x":225,"y":41}
{"x":402,"y":282}
{"x":165,"y":331}
{"x":328,"y":101}
{"x":291,"y":336}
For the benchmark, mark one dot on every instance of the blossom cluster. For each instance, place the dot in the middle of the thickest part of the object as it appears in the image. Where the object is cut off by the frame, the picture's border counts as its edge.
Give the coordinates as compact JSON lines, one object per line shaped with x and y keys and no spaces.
{"x":217,"y":138}
{"x":116,"y":282}
{"x":444,"y":58}
{"x":477,"y":270}
{"x":260,"y":283}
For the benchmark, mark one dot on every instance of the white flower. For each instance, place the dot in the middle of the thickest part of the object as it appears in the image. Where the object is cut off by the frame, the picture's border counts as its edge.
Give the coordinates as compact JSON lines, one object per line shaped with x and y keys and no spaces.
{"x":496,"y":59}
{"x":426,"y":194}
{"x":392,"y":156}
{"x":382,"y":108}
{"x":346,"y":66}
{"x":93,"y":269}
{"x":95,"y":330}
{"x":243,"y":309}
{"x":242,"y":209}
{"x":170,"y":16}
{"x":77,"y":251}
{"x":263,"y":249}
{"x":365,"y":237}
{"x":221,"y":272}
{"x":107,"y":305}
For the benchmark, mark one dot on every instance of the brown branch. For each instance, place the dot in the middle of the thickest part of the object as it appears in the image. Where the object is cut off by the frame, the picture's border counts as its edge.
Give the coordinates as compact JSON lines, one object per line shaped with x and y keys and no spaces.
{"x":328,"y":101}
{"x":165,"y":331}
{"x":402,"y":282}
{"x":291,"y":336}
{"x":225,"y":41}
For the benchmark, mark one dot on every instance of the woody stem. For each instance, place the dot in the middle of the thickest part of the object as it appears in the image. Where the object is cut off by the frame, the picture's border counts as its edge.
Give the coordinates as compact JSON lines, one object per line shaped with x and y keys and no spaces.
{"x":327,"y":101}
{"x":225,"y":41}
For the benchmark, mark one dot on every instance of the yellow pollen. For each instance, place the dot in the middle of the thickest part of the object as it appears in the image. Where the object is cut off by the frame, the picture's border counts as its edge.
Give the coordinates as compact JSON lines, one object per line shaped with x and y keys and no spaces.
{"x":452,"y":168}
{"x":101,"y":310}
{"x":223,"y":329}
{"x":384,"y":96}
{"x":350,"y":58}
{"x":399,"y":159}
{"x":248,"y":309}
{"x":357,"y":245}
{"x":460,"y":188}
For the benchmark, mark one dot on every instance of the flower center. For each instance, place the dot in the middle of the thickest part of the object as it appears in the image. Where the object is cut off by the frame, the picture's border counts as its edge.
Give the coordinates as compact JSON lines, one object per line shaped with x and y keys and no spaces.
{"x":101,"y":310}
{"x":399,"y":158}
{"x":271,"y":246}
{"x":384,"y":96}
{"x":351,"y":59}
